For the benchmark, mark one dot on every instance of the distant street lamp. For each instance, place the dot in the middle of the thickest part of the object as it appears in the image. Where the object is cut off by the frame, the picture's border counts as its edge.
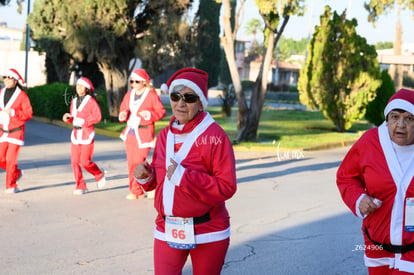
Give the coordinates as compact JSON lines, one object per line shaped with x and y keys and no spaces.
{"x":27,"y":43}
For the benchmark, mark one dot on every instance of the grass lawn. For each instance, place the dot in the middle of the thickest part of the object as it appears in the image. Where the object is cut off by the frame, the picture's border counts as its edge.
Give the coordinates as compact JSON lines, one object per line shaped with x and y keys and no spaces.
{"x":286,"y":129}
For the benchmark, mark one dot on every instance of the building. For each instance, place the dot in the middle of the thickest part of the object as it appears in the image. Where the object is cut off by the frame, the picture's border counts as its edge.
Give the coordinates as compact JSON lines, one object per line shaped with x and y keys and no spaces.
{"x":12,"y":56}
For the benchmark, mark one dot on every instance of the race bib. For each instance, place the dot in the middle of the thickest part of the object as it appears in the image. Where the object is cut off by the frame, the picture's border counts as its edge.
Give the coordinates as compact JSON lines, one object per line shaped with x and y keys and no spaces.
{"x":409,"y":215}
{"x":179,"y":232}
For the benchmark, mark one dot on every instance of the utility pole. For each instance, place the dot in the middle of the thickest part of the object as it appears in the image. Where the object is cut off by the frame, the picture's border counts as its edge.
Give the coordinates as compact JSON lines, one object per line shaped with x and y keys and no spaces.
{"x":27,"y":43}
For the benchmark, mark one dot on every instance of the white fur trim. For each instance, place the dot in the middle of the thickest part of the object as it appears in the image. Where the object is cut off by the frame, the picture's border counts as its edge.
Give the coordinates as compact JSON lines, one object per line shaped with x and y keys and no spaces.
{"x":192,"y":86}
{"x":13,"y":74}
{"x":399,"y":104}
{"x":83,"y":83}
{"x":137,"y":77}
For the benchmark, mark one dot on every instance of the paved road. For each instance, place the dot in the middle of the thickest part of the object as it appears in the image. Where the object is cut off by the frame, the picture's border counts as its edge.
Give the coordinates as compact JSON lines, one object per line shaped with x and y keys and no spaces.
{"x":287,"y":216}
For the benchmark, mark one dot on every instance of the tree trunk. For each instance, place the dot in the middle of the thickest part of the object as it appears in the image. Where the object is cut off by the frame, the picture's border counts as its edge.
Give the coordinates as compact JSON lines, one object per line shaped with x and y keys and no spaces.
{"x":228,"y":46}
{"x":260,"y":88}
{"x":396,"y":71}
{"x":116,"y":87}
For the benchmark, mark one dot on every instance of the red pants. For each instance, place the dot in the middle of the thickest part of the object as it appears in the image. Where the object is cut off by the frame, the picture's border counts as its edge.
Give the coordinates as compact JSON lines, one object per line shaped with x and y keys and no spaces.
{"x":385,"y":270}
{"x":83,"y":154}
{"x":9,"y":153}
{"x":207,"y":259}
{"x":134,"y":156}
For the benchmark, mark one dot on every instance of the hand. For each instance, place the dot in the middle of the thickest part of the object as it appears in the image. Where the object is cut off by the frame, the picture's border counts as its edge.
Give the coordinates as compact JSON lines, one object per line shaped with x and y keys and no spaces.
{"x":66,"y":117}
{"x":123,"y":115}
{"x":171,"y":168}
{"x":143,"y":171}
{"x":367,"y":205}
{"x":145,"y":114}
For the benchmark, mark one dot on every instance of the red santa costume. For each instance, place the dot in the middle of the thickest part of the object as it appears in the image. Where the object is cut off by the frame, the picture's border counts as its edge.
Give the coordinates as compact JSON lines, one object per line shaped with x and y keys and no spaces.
{"x":15,"y":110}
{"x":141,"y":114}
{"x":203,"y":180}
{"x":373,"y":167}
{"x":83,"y":116}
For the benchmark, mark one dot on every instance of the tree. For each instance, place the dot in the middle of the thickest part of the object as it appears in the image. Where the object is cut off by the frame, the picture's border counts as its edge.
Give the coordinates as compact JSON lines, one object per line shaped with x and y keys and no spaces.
{"x":272,"y":13}
{"x":208,"y":39}
{"x":102,"y":31}
{"x":375,"y":9}
{"x":19,"y":4}
{"x":290,"y":46}
{"x":252,"y":27}
{"x":374,"y":112}
{"x":384,"y":45}
{"x":171,"y":44}
{"x":341,"y":74}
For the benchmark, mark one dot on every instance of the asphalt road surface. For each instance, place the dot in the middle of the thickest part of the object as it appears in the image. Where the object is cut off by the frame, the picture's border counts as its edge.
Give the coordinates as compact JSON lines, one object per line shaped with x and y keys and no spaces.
{"x":287,"y":216}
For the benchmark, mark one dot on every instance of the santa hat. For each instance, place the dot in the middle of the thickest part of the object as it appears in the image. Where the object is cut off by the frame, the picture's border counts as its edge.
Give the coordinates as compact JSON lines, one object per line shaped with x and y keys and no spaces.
{"x":195,"y":79}
{"x":140,"y":74}
{"x":403,"y":99}
{"x":85,"y":82}
{"x":15,"y":74}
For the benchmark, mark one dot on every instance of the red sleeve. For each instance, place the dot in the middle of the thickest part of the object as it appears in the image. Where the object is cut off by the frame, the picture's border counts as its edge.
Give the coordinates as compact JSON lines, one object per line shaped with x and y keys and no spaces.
{"x":125,"y":105}
{"x":94,"y":113}
{"x":24,"y":110}
{"x":155,"y":107}
{"x":349,"y":177}
{"x":219,"y":184}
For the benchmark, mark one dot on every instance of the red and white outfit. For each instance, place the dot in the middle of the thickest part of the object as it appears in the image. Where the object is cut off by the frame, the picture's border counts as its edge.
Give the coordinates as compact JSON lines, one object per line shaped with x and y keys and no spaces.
{"x":83,"y":135}
{"x":138,"y":134}
{"x":12,"y":132}
{"x":203,"y":180}
{"x":372,"y":167}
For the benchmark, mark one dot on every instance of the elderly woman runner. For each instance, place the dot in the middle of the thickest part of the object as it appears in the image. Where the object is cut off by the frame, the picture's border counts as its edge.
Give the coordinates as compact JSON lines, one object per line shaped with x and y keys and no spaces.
{"x":376,"y":182}
{"x":193,"y":173}
{"x":15,"y":110}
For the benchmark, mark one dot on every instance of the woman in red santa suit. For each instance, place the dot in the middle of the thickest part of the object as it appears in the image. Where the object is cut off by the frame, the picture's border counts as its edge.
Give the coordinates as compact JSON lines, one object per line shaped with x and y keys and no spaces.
{"x":84,"y":113}
{"x":141,"y":107}
{"x":376,"y":181}
{"x":193,"y":174}
{"x":15,"y":110}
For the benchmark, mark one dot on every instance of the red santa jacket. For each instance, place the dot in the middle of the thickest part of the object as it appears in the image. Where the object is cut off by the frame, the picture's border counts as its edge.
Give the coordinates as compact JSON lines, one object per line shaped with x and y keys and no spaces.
{"x":13,"y":124}
{"x":143,"y":125}
{"x":371,"y":167}
{"x":83,"y":120}
{"x":201,"y":184}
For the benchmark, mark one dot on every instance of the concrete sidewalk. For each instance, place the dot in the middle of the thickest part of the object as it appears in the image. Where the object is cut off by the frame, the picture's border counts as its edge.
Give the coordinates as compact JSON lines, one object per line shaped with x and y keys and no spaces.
{"x":287,"y":215}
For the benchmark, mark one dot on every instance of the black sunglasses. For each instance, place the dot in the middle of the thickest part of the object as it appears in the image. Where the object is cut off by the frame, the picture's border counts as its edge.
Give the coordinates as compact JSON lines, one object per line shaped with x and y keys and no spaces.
{"x":188,"y":98}
{"x":135,"y":81}
{"x":9,"y":77}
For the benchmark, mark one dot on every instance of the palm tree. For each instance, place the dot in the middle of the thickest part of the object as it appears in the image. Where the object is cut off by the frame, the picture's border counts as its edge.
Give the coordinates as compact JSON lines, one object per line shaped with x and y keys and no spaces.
{"x":252,"y":27}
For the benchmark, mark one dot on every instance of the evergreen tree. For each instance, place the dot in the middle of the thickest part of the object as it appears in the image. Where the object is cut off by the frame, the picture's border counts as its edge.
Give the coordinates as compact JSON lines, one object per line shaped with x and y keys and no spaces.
{"x":209,"y":39}
{"x":341,"y":74}
{"x":374,"y":112}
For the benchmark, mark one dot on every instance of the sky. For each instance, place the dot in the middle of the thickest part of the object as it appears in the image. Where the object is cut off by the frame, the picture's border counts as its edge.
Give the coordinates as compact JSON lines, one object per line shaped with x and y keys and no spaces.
{"x":297,"y":27}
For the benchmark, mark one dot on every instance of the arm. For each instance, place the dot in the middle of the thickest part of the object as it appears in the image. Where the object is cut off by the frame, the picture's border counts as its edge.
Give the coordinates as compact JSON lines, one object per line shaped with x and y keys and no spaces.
{"x":124,"y":108}
{"x":350,"y":180}
{"x":155,"y":110}
{"x":218,"y":183}
{"x":92,"y":115}
{"x":23,"y":111}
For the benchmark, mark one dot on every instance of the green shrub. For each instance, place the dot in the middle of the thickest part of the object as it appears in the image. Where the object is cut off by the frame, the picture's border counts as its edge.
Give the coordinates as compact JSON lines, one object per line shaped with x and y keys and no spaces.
{"x":375,"y":109}
{"x":49,"y":100}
